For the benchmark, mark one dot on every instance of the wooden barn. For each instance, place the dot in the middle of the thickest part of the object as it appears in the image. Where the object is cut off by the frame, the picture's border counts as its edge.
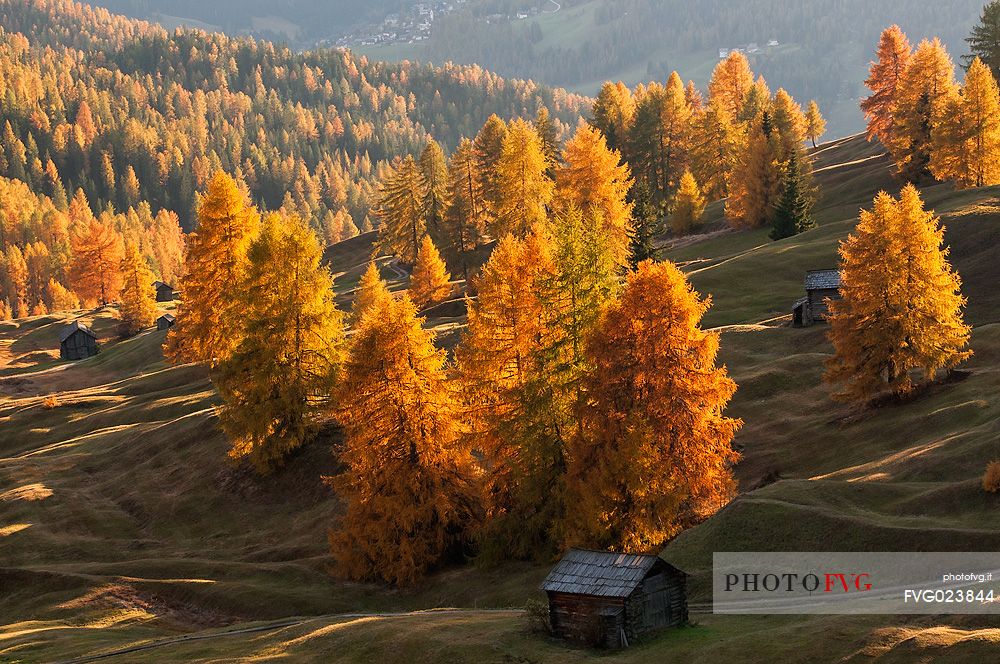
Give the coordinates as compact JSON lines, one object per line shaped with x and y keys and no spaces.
{"x":77,"y":342}
{"x":821,"y":285}
{"x":165,"y":322}
{"x":164,"y":292}
{"x":611,"y":600}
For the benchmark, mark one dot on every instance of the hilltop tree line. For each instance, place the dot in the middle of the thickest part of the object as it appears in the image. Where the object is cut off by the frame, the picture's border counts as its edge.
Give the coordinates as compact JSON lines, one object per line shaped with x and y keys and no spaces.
{"x":742,"y":143}
{"x":931,"y":125}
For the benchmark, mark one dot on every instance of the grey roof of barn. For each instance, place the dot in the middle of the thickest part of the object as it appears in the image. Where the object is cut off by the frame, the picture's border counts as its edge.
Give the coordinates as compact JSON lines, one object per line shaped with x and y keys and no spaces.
{"x":73,"y":327}
{"x":822,"y":279}
{"x":169,"y":317}
{"x":600,"y":573}
{"x":159,"y":284}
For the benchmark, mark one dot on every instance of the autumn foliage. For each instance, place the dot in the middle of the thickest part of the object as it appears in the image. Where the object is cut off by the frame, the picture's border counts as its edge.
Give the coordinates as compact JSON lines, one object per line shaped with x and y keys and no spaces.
{"x":654,"y":452}
{"x":901,"y":310}
{"x":137,"y":306}
{"x":430,"y":282}
{"x":209,"y":320}
{"x":281,"y":373}
{"x":410,"y":490}
{"x":96,"y":266}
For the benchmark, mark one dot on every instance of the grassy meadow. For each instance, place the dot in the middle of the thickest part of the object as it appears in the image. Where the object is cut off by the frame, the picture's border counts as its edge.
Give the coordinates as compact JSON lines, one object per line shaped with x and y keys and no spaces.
{"x":123,"y":524}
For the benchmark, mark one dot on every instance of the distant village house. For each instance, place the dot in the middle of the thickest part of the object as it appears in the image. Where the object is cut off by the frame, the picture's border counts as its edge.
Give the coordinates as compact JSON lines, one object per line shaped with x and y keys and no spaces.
{"x":821,"y":286}
{"x":611,"y":600}
{"x":77,"y":342}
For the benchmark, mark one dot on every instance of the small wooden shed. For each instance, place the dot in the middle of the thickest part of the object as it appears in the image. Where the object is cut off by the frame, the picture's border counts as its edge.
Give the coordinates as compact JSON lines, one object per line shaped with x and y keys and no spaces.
{"x":77,"y":342}
{"x":821,"y":285}
{"x":165,"y":322}
{"x":610,"y":600}
{"x":164,"y":292}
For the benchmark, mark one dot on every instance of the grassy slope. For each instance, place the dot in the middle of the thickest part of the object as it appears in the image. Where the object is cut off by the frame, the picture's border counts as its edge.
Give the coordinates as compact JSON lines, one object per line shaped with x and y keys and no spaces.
{"x":120,"y":520}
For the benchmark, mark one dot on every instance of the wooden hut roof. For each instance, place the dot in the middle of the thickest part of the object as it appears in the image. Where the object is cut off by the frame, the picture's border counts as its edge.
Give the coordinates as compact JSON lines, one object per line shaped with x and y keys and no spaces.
{"x":159,"y":284}
{"x":73,"y":327}
{"x":167,"y":317}
{"x":600,"y":573}
{"x":822,"y":279}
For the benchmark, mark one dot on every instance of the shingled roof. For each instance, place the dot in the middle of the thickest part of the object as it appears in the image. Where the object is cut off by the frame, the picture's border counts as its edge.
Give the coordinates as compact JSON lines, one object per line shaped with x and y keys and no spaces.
{"x":822,"y":279}
{"x":68,"y":331}
{"x":599,"y":573}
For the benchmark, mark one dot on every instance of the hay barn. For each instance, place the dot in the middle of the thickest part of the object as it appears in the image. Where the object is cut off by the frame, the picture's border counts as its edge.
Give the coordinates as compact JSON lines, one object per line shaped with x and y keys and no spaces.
{"x":821,"y":285}
{"x":165,"y":322}
{"x":77,"y":342}
{"x":611,"y":600}
{"x":164,"y":292}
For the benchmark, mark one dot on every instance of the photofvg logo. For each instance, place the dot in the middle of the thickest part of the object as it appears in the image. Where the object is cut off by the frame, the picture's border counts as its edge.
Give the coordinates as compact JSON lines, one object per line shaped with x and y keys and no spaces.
{"x":855,"y":583}
{"x":811,"y":582}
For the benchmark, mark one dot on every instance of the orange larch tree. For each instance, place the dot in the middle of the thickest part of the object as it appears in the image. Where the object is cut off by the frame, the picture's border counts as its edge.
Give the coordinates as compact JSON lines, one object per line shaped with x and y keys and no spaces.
{"x":902,"y":304}
{"x":594,"y":180}
{"x":410,"y":490}
{"x":655,"y":450}
{"x":137,"y":299}
{"x":430,"y":282}
{"x":96,"y":266}
{"x":894,"y":52}
{"x":926,"y":92}
{"x":209,"y":318}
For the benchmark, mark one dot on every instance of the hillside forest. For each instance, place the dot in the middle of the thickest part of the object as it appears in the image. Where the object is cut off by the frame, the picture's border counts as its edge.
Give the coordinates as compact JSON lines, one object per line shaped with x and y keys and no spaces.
{"x":582,"y":376}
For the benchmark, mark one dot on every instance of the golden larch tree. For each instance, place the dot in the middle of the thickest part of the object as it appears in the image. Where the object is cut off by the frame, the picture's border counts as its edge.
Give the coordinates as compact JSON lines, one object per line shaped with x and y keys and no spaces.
{"x":614,"y":112}
{"x":523,"y":188}
{"x":371,"y":295}
{"x":466,"y":219}
{"x":926,"y":91}
{"x":488,"y":147}
{"x":731,"y":82}
{"x":789,"y":121}
{"x":715,"y":144}
{"x":755,"y":184}
{"x":281,"y":374}
{"x":594,"y":179}
{"x":884,"y":80}
{"x":137,"y":298}
{"x":430,"y":282}
{"x":966,"y":140}
{"x":655,"y":452}
{"x":410,"y":492}
{"x":688,"y":206}
{"x":901,"y":306}
{"x":95,"y":270}
{"x":210,"y":316}
{"x":815,"y":123}
{"x":401,"y":212}
{"x":497,"y":356}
